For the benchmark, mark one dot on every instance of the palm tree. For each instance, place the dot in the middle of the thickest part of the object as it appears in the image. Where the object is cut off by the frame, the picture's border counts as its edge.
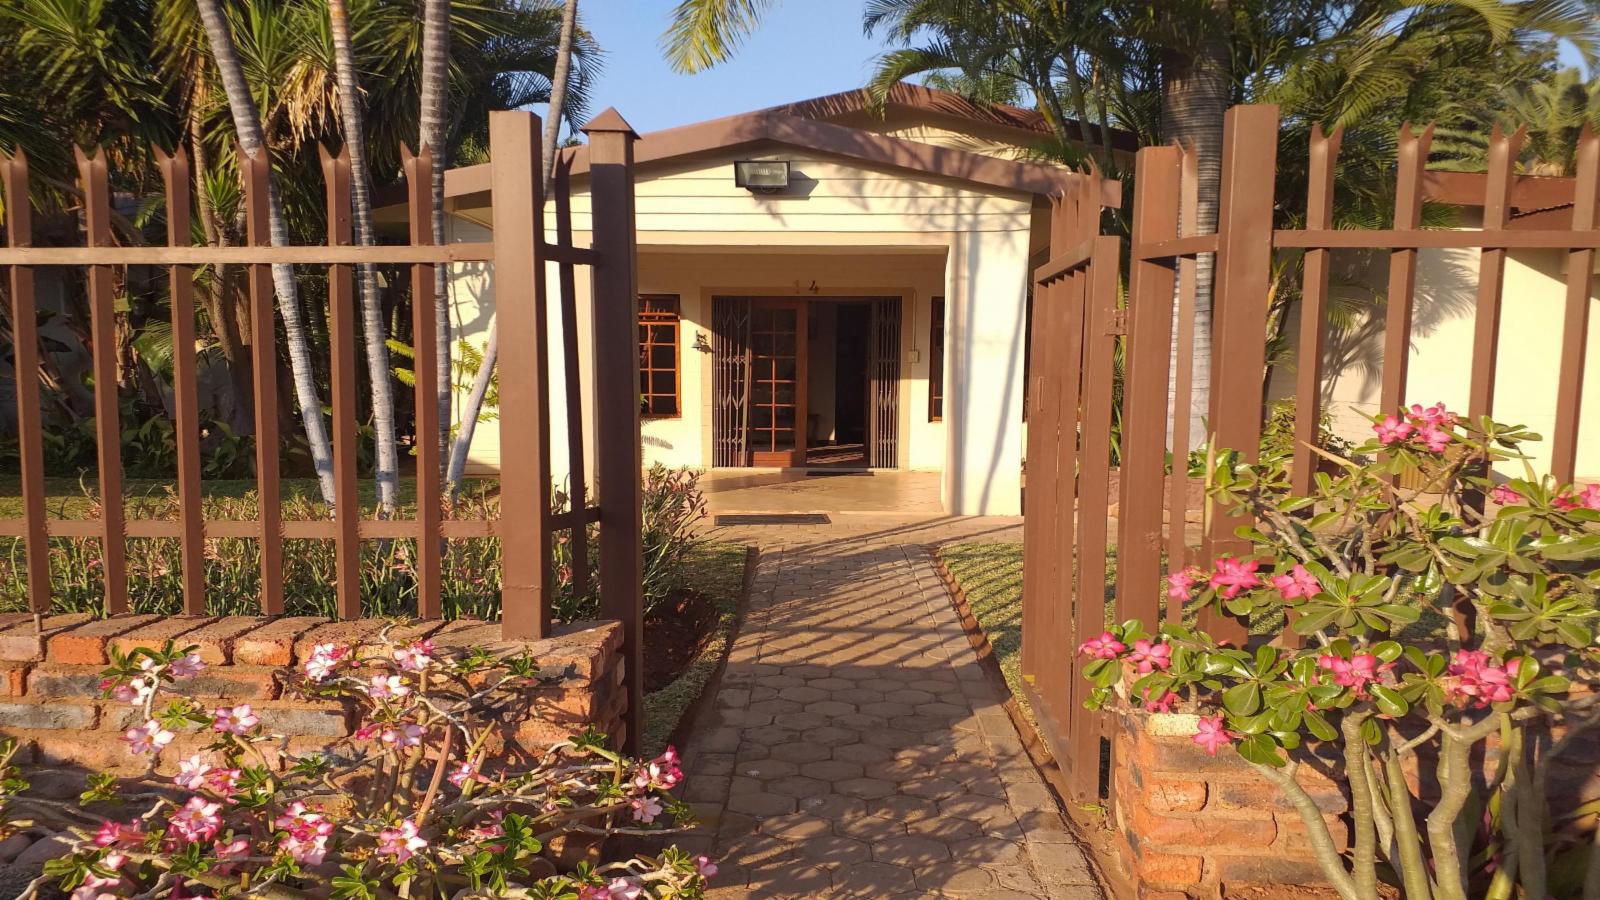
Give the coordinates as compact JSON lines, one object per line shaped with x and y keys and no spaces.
{"x":386,"y":470}
{"x":434,"y":121}
{"x":247,"y":127}
{"x":472,"y":407}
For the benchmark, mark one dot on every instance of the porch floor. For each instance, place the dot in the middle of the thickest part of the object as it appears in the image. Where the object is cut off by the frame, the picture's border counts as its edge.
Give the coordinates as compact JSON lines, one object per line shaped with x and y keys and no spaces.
{"x":854,"y":746}
{"x":831,"y":490}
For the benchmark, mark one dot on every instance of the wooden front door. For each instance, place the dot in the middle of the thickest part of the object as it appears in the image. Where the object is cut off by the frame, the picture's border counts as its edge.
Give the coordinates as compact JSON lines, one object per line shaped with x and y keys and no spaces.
{"x":777,"y":413}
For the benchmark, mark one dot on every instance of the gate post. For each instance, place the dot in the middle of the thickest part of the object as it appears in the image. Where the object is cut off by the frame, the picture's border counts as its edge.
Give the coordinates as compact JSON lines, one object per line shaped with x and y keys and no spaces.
{"x":1239,"y":319}
{"x":619,"y":464}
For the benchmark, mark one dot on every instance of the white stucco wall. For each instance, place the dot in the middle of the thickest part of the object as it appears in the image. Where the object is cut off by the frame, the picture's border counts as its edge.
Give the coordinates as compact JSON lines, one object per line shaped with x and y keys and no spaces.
{"x":1441,"y":351}
{"x":845,"y":230}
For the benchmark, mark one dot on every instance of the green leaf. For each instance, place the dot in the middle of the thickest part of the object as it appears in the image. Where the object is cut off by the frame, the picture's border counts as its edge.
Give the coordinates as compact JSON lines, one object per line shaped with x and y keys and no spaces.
{"x":1318,"y":725}
{"x":1389,"y":701}
{"x":1262,"y":750}
{"x":1242,"y":699}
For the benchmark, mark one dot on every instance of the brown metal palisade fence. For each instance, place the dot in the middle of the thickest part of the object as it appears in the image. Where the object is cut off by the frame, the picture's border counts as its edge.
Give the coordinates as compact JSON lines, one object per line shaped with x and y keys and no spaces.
{"x":1083,"y":327}
{"x":520,"y":252}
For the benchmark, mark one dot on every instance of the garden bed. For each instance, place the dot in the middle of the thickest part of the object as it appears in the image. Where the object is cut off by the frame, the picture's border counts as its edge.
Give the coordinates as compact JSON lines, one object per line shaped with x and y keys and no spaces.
{"x":690,"y":637}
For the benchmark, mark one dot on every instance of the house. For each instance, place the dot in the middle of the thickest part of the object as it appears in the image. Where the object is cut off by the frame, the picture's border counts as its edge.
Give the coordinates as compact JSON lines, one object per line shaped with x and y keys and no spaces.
{"x":822,"y":284}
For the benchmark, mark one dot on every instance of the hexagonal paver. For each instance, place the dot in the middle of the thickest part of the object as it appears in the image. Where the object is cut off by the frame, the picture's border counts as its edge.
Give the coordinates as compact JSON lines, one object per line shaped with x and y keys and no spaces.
{"x":865,"y":788}
{"x":909,"y":696}
{"x":832,"y":770}
{"x":803,"y":694}
{"x":770,"y":735}
{"x":831,"y":708}
{"x":775,"y":706}
{"x":801,"y":752}
{"x":887,"y":709}
{"x":872,"y":879}
{"x":862,"y":753}
{"x":933,"y":788}
{"x":761,"y":803}
{"x":800,"y":721}
{"x":831,"y":736}
{"x":833,"y":806}
{"x":796,"y":827}
{"x":832,"y":683}
{"x":955,"y":878}
{"x":858,"y":695}
{"x":769,"y":768}
{"x":833,"y":850}
{"x":797,"y":786}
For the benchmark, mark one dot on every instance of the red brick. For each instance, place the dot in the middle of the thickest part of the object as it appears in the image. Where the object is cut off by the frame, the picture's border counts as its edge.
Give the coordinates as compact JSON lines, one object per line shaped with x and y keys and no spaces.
{"x":56,"y":682}
{"x":13,"y":678}
{"x":1265,"y":868}
{"x":301,"y":720}
{"x":155,"y":635}
{"x":273,"y":643}
{"x":86,"y":644}
{"x":233,"y":683}
{"x":1146,"y":893}
{"x":1173,"y":795}
{"x":1169,"y":869}
{"x":52,"y":716}
{"x":95,"y":751}
{"x":1202,"y":831}
{"x":214,"y":642}
{"x":350,"y":633}
{"x":401,"y":635}
{"x":1293,"y":836}
{"x":20,"y":641}
{"x":1257,"y":796}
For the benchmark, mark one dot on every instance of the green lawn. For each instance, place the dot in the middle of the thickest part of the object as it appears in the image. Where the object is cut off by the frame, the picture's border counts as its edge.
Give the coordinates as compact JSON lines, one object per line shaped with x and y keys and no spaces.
{"x":991,"y":577}
{"x":717,"y":571}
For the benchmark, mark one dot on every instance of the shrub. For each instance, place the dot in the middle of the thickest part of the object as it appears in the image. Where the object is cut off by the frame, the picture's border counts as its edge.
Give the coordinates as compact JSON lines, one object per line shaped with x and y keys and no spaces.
{"x":1437,"y":627}
{"x":412,"y":805}
{"x":470,"y":572}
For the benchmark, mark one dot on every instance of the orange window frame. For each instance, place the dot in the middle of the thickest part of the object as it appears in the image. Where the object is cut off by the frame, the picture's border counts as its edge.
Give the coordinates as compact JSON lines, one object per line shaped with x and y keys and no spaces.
{"x":659,"y":327}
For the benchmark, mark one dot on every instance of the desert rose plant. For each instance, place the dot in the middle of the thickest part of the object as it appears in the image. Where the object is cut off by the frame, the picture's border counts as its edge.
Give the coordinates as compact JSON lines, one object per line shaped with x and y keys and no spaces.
{"x":423,"y":801}
{"x":1446,"y":627}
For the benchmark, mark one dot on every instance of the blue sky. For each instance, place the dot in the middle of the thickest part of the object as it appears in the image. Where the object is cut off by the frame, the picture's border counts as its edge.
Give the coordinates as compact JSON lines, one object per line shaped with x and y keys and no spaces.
{"x":804,"y":48}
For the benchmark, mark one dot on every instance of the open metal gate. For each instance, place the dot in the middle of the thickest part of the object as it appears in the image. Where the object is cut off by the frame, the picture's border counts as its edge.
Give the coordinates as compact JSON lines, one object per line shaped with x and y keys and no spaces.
{"x":730,"y":432}
{"x":883,"y":383}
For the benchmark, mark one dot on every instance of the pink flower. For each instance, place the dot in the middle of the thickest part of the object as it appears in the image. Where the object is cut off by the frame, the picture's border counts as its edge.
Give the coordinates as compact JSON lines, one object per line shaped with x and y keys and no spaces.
{"x":147,"y":738}
{"x":464,"y":773}
{"x":187,"y":666}
{"x":323,"y":660}
{"x":134,"y":691}
{"x":1477,"y":680}
{"x":1233,"y":576}
{"x":645,"y":809}
{"x":1213,"y":736}
{"x":1149,"y":657}
{"x":1434,"y":415}
{"x":705,"y":867}
{"x":622,"y":889}
{"x":1503,"y":495}
{"x":198,"y":820}
{"x":306,"y":833}
{"x":407,"y":735}
{"x":235,"y":719}
{"x":1436,"y":439}
{"x":1162,"y":704}
{"x":1297,"y":583}
{"x":384,"y":687}
{"x":402,"y":843}
{"x":117,"y":834}
{"x":1106,"y":646}
{"x":1181,"y":584}
{"x":229,"y":852}
{"x":413,"y":658}
{"x":309,"y":852}
{"x":192,"y":773}
{"x":1355,"y":673}
{"x":661,"y":773}
{"x":1393,"y":430}
{"x":223,"y":781}
{"x":1588,"y":498}
{"x":367,"y":732}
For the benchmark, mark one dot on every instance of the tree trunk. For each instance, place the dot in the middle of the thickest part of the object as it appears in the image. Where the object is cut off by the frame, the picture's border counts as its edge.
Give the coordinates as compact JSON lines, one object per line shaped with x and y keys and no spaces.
{"x":247,"y":126}
{"x":386,"y":472}
{"x":552,"y":129}
{"x":1194,"y":97}
{"x":434,"y":119}
{"x":220,"y":305}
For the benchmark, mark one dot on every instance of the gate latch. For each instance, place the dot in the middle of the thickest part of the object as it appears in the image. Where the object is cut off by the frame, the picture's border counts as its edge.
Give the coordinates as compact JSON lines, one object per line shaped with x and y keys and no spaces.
{"x":1119,"y":322}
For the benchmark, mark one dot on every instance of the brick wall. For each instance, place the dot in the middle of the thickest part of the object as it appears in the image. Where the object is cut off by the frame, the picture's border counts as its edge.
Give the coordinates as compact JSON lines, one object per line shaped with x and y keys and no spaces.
{"x":50,"y":698}
{"x":1192,"y":825}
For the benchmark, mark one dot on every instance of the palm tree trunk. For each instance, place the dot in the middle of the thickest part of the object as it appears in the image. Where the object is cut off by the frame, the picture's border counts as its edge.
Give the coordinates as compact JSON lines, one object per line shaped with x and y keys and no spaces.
{"x":219,"y":303}
{"x":1194,"y":98}
{"x":435,"y":90}
{"x":386,"y":472}
{"x":552,"y":128}
{"x":247,"y":127}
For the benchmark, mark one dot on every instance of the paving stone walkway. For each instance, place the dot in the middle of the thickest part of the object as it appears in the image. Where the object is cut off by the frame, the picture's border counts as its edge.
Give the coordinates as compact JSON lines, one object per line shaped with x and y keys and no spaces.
{"x":855,"y":748}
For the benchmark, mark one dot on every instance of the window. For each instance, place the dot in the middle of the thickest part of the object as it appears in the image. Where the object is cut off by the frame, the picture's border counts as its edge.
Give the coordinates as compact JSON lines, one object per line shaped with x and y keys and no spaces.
{"x":658,"y":356}
{"x":936,"y":363}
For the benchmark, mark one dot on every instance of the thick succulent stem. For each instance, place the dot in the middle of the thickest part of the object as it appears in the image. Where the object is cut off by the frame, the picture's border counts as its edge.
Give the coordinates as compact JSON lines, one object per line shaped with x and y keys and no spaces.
{"x":1364,"y":858}
{"x":1408,"y":856}
{"x":1455,"y":788}
{"x":1316,"y":831}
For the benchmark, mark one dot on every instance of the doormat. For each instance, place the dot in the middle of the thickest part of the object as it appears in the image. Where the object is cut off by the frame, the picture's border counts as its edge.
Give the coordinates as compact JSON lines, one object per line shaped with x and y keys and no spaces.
{"x":776,"y":519}
{"x":834,"y":473}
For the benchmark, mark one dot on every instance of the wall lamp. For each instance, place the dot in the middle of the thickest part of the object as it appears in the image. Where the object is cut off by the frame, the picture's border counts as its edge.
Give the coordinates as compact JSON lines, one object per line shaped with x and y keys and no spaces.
{"x":761,"y":176}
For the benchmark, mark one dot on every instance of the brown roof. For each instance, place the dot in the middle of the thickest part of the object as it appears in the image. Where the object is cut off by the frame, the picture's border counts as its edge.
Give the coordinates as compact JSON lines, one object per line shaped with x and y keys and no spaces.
{"x":943,"y":103}
{"x":787,"y":125}
{"x":1537,"y":201}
